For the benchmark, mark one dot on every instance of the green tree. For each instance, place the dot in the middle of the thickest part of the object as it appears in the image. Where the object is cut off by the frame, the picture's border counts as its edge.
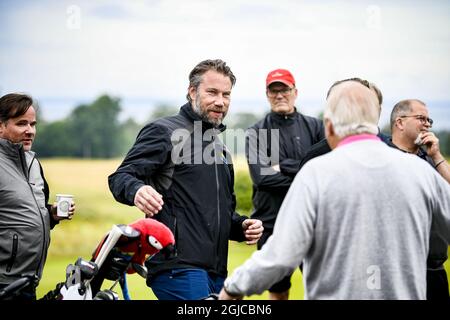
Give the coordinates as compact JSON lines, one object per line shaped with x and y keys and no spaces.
{"x":129,"y":129}
{"x":444,"y":142}
{"x":90,"y":131}
{"x":163,"y":110}
{"x":96,"y":128}
{"x":242,"y":120}
{"x":54,"y":139}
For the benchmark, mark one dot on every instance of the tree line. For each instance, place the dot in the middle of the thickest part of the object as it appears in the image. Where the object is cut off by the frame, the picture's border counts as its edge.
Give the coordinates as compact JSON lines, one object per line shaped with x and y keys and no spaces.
{"x":90,"y":131}
{"x":94,"y":131}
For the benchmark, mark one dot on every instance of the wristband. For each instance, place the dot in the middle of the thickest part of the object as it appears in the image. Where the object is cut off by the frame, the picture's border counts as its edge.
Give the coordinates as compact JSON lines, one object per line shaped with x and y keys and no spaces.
{"x":437,"y":165}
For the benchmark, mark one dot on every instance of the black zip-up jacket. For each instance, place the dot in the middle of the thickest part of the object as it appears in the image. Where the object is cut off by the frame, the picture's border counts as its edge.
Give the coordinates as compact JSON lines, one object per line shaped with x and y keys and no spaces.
{"x":297,"y":133}
{"x":322,"y":147}
{"x":190,"y":168}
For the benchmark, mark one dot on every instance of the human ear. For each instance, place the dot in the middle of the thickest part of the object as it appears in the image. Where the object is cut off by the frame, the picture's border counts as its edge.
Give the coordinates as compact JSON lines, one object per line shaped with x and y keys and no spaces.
{"x":192,"y":93}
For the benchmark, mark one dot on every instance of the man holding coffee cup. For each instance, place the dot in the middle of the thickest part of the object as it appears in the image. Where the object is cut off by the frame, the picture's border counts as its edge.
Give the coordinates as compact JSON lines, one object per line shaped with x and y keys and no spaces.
{"x":26,"y":217}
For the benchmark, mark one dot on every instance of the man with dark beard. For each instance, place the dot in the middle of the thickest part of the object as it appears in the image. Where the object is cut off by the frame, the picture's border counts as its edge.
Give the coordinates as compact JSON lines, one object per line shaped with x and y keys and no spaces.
{"x":180,"y":173}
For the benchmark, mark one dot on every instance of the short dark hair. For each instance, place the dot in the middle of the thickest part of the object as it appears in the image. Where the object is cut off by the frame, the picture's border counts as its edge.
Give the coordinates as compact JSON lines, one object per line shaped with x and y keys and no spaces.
{"x":14,"y":105}
{"x":195,"y":76}
{"x":401,"y":108}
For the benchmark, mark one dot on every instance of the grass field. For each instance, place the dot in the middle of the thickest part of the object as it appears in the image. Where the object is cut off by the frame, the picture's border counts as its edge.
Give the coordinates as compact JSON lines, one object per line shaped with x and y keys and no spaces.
{"x":97,"y":211}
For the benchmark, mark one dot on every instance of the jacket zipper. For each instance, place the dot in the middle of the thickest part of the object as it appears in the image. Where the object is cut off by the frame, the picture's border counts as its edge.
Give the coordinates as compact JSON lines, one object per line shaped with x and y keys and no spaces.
{"x":218,"y":198}
{"x":175,"y":230}
{"x":13,"y":252}
{"x":39,"y":209}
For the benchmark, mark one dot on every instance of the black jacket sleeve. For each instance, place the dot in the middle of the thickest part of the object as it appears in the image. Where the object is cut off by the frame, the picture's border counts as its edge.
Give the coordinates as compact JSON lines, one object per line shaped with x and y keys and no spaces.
{"x":292,"y":166}
{"x":258,"y":159}
{"x":289,"y":167}
{"x":150,"y":151}
{"x":316,"y":150}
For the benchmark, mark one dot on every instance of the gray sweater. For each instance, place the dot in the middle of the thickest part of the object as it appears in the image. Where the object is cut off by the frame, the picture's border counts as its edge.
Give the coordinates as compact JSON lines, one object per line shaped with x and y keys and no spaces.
{"x":361,"y":227}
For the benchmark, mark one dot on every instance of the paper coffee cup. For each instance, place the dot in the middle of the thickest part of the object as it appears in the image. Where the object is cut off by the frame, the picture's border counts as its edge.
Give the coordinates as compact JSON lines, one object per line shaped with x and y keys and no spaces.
{"x":63,"y":204}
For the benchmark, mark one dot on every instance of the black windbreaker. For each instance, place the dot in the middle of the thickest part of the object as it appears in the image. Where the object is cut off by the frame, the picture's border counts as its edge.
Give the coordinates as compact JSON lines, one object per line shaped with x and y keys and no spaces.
{"x":189,"y":166}
{"x":297,"y":133}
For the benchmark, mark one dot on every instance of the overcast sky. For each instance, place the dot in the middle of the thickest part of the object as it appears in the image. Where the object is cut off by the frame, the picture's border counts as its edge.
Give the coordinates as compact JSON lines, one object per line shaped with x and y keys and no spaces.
{"x":67,"y":52}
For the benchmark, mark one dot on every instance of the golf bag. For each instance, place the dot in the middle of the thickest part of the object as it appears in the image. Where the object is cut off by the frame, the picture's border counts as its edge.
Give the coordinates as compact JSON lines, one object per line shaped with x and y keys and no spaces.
{"x":123,"y":250}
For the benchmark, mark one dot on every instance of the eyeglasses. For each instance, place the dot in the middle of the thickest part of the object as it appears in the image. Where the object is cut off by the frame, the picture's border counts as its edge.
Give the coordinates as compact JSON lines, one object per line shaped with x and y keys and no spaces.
{"x":421,"y":118}
{"x":273,"y":93}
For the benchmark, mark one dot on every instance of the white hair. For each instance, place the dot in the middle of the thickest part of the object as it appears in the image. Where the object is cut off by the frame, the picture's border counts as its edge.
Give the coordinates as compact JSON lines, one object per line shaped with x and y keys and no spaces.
{"x":352,"y":109}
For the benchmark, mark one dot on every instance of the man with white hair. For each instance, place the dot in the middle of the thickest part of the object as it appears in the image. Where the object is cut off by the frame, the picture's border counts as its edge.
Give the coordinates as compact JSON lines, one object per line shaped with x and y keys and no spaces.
{"x":362,"y":225}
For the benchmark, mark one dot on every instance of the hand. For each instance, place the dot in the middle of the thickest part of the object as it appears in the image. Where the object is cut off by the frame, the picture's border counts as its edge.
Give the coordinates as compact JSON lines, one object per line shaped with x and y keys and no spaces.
{"x":276,"y":167}
{"x":223,"y":295}
{"x":253,"y":230}
{"x":71,"y":210}
{"x":431,"y":143}
{"x":148,"y":200}
{"x":53,"y":211}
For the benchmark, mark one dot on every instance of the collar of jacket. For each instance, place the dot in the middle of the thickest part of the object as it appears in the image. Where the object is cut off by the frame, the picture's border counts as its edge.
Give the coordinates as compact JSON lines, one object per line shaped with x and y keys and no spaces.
{"x":16,"y":153}
{"x":9,"y":149}
{"x":284,"y":118}
{"x":420,"y":152}
{"x":187,"y":111}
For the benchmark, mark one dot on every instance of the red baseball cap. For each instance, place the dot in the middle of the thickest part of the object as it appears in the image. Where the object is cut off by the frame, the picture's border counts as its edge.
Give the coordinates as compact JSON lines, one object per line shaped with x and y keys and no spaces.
{"x":280,"y":75}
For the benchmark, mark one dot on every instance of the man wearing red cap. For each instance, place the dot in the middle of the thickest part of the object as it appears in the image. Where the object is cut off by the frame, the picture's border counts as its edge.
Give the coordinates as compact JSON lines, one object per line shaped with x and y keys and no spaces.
{"x":275,"y":147}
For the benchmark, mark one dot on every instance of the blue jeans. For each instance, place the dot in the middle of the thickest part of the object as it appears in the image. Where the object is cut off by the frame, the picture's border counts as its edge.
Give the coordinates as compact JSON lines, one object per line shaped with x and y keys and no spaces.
{"x":185,"y":284}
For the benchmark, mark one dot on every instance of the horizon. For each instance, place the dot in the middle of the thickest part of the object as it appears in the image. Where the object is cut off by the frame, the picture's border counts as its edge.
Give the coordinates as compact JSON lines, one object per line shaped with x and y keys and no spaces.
{"x":140,"y":108}
{"x":143,"y":51}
